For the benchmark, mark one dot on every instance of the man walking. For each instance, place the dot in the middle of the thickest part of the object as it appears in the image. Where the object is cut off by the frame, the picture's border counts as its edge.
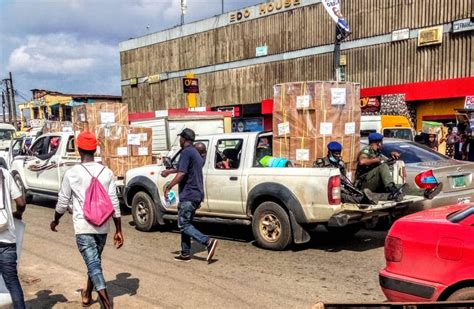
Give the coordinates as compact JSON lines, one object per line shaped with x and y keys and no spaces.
{"x":8,"y":256}
{"x":90,"y":238}
{"x":191,"y":194}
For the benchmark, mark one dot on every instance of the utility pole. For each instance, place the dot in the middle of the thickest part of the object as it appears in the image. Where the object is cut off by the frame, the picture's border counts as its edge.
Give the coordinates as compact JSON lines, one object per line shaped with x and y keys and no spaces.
{"x":222,"y":6}
{"x":3,"y":106}
{"x":7,"y":95}
{"x":13,"y":99}
{"x":337,"y":57}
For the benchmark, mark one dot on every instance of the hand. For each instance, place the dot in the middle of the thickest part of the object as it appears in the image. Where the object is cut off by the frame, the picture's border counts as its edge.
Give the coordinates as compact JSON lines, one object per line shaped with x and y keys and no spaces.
{"x":53,"y":225}
{"x":395,"y":155}
{"x":118,"y":240}
{"x":165,"y":173}
{"x":17,"y":215}
{"x":167,"y":191}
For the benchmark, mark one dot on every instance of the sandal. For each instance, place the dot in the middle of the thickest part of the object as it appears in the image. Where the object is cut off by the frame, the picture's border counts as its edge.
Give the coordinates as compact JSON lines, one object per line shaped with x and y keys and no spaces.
{"x":85,"y":303}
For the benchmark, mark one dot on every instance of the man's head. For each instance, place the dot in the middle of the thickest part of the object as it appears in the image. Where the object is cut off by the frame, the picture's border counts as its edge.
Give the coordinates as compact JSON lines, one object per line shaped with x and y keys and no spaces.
{"x":201,"y":148}
{"x":54,"y":142}
{"x":337,"y":12}
{"x":334,"y":151}
{"x":375,"y":141}
{"x":86,"y":143}
{"x":431,"y":137}
{"x":187,"y":137}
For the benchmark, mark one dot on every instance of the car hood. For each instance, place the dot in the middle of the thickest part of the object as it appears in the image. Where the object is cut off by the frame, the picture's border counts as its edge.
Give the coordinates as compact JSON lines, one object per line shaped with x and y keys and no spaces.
{"x":435,"y":214}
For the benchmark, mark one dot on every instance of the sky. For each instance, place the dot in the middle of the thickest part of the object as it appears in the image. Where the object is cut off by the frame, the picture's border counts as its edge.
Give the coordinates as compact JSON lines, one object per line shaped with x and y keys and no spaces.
{"x":71,"y":46}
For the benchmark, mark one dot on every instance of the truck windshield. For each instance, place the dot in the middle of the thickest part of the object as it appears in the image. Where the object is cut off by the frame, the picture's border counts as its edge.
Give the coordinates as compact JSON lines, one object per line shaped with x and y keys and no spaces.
{"x":6,"y":134}
{"x":398,"y":133}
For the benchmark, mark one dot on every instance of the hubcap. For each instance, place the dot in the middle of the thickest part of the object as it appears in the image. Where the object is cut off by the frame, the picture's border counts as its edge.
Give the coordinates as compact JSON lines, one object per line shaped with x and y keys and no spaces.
{"x":270,"y":227}
{"x":142,"y":212}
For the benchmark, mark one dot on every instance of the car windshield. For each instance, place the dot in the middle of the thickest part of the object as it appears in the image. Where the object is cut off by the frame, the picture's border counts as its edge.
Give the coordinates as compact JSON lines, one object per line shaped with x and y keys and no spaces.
{"x":6,"y":134}
{"x":412,"y":153}
{"x":398,"y":133}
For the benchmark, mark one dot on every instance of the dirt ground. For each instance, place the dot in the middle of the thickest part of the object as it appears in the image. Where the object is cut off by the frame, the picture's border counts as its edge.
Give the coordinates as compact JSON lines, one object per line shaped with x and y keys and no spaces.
{"x":143,"y":273}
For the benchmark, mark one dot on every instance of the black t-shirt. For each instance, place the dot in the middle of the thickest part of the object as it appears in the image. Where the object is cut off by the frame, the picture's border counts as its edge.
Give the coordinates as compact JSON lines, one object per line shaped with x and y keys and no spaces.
{"x":191,"y":188}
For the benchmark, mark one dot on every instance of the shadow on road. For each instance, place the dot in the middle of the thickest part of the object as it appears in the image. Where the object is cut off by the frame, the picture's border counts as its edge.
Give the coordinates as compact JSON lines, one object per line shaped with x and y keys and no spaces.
{"x":50,"y":202}
{"x":123,"y":284}
{"x":46,"y":299}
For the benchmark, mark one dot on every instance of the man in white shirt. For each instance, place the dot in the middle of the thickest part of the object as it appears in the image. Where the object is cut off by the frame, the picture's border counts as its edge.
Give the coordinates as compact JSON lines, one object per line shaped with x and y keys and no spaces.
{"x":90,"y":239}
{"x":8,"y":256}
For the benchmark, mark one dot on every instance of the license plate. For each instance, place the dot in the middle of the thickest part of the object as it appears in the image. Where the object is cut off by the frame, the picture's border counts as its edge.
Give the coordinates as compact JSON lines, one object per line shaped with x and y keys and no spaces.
{"x":459,"y":181}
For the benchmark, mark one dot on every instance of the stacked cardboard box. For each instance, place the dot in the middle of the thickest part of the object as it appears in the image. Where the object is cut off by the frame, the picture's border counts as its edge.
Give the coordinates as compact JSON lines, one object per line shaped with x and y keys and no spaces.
{"x":309,"y":115}
{"x":57,"y":126}
{"x":121,"y":147}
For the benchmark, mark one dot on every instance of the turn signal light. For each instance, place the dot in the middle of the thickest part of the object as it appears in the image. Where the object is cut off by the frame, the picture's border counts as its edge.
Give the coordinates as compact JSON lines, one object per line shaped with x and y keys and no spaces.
{"x":426,"y":180}
{"x":393,"y":249}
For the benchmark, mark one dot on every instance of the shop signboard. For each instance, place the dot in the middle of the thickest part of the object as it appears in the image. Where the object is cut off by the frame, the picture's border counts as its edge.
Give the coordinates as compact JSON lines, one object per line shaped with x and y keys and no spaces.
{"x":247,"y":125}
{"x":402,"y":34}
{"x":190,"y":85}
{"x":469,"y":102}
{"x":430,"y":36}
{"x":333,"y":7}
{"x":463,"y":25}
{"x":261,"y":51}
{"x":370,"y":104}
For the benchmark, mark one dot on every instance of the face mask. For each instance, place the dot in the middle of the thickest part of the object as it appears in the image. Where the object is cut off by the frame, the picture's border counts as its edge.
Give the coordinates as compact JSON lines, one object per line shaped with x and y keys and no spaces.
{"x":332,"y":159}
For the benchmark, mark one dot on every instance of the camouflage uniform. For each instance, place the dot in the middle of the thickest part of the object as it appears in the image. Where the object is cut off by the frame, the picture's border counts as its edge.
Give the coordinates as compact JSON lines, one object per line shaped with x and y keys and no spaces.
{"x":376,"y":177}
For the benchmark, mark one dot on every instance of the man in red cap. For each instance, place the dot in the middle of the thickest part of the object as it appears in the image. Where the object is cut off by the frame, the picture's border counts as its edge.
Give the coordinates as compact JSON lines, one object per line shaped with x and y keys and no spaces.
{"x":90,"y":239}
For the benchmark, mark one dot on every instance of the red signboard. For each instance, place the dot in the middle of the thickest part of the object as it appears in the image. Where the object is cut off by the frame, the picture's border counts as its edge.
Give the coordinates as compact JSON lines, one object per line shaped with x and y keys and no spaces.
{"x":469,"y":102}
{"x":370,"y":104}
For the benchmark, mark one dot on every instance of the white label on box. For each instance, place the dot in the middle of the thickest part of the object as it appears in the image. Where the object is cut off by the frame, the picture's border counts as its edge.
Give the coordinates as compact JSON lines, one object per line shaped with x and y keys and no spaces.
{"x":283,"y":128}
{"x":302,"y":102}
{"x":122,"y":151}
{"x":302,"y":154}
{"x":134,"y":139}
{"x":338,"y":96}
{"x":350,"y":128}
{"x":107,"y":117}
{"x":82,"y":117}
{"x":98,"y":150}
{"x":143,"y":137}
{"x":325,"y":128}
{"x":143,"y":151}
{"x":67,"y":129}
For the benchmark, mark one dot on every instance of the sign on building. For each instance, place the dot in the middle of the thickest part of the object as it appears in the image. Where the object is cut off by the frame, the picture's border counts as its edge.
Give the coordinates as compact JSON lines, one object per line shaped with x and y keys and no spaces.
{"x":469,"y":102}
{"x":190,"y":85}
{"x":261,"y":51}
{"x":400,"y":35}
{"x":430,"y":36}
{"x":370,"y":104}
{"x":463,"y":25}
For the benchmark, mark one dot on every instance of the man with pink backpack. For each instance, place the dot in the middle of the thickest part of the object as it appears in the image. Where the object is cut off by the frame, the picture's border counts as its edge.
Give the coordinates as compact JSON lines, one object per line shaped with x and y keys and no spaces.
{"x":90,"y":189}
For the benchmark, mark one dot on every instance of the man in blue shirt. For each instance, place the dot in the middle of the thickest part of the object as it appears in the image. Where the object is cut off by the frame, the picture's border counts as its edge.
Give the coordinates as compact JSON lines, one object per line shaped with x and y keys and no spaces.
{"x":191,"y":193}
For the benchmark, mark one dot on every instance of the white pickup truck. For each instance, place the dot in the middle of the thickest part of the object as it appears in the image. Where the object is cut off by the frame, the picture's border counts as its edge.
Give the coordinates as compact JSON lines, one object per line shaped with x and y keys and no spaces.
{"x":281,"y":204}
{"x":41,"y":170}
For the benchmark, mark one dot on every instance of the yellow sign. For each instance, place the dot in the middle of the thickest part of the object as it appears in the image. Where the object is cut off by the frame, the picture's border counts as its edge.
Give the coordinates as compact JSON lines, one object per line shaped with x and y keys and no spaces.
{"x":153,"y":79}
{"x":269,"y":7}
{"x":133,"y":81}
{"x":343,"y":60}
{"x":430,"y":36}
{"x":191,"y":98}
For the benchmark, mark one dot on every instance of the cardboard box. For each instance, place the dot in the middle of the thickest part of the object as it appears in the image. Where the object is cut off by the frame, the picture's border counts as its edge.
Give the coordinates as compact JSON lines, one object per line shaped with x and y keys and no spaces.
{"x":294,"y":123}
{"x":97,"y":114}
{"x":57,"y":126}
{"x":281,"y":147}
{"x":120,"y":165}
{"x":337,"y":122}
{"x":140,"y":141}
{"x":113,"y":141}
{"x":303,"y":151}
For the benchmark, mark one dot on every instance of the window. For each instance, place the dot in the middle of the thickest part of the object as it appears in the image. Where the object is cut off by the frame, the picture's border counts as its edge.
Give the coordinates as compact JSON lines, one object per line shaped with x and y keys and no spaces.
{"x":6,"y":134}
{"x":38,"y":147}
{"x":228,"y":154}
{"x":264,"y":148}
{"x":365,"y":133}
{"x":398,"y":133}
{"x":412,"y":153}
{"x":71,"y":145}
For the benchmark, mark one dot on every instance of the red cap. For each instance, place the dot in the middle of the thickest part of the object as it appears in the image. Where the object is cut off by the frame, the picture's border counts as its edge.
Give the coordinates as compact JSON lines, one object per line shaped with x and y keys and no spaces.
{"x":86,"y":141}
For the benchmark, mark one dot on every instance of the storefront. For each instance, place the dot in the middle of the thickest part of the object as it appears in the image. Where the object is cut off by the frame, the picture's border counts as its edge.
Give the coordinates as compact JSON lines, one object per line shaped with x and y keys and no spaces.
{"x":249,"y":117}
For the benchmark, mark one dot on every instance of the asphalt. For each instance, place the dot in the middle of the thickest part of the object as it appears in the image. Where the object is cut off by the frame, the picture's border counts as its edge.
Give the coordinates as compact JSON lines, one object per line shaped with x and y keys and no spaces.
{"x":143,"y":273}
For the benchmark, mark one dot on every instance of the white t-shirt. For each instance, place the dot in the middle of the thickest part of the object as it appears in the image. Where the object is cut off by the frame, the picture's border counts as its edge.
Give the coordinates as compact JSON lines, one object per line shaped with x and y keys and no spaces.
{"x":73,"y":192}
{"x":8,"y":236}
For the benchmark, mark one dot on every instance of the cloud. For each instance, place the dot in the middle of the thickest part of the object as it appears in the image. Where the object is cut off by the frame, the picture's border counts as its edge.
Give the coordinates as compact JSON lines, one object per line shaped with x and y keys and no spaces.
{"x":60,"y":54}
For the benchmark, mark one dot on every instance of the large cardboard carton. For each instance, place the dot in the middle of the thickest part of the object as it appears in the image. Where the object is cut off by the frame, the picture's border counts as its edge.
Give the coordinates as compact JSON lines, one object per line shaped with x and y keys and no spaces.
{"x":57,"y":126}
{"x":120,"y":165}
{"x":98,"y":114}
{"x":140,"y":141}
{"x":113,"y":141}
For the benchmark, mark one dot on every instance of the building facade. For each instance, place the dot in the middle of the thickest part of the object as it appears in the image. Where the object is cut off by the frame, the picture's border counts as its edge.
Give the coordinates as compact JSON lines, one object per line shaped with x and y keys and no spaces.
{"x":395,"y":46}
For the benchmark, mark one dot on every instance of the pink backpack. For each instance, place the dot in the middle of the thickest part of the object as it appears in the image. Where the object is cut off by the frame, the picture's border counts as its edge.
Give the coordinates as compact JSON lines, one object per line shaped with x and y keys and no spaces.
{"x":98,"y":207}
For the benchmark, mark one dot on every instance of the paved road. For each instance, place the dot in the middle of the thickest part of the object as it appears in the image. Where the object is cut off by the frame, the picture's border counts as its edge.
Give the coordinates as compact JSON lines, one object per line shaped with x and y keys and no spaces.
{"x":143,"y":273}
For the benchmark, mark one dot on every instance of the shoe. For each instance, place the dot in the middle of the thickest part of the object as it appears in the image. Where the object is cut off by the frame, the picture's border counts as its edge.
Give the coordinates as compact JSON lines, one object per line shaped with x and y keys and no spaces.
{"x":431,"y":193}
{"x":211,"y":249}
{"x":183,"y":258}
{"x":372,"y":197}
{"x":396,"y":194}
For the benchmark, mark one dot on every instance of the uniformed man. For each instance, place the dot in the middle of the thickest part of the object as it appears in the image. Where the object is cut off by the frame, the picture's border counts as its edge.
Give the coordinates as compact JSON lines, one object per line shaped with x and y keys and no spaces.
{"x":374,"y":169}
{"x":349,"y":193}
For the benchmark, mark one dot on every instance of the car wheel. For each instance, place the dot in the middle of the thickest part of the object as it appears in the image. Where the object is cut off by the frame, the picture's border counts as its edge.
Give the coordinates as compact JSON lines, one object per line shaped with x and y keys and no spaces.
{"x":466,"y":293}
{"x":143,"y":211}
{"x":21,"y":186}
{"x":271,"y":226}
{"x":344,"y":232}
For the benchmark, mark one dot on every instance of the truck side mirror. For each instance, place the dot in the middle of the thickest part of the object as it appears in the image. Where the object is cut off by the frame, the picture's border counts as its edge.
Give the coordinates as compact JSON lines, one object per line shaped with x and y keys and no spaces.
{"x":167,"y":162}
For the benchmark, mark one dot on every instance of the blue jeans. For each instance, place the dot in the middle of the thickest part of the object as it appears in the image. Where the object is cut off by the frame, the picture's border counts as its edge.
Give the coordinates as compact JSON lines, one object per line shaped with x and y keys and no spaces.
{"x":91,"y":247}
{"x":9,"y":272}
{"x":186,"y":211}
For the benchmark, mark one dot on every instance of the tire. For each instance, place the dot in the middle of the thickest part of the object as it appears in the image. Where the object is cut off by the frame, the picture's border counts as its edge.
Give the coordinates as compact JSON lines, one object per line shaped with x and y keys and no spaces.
{"x":345,"y":232}
{"x":271,"y":226}
{"x":143,"y":212}
{"x":21,"y":186}
{"x":466,"y":293}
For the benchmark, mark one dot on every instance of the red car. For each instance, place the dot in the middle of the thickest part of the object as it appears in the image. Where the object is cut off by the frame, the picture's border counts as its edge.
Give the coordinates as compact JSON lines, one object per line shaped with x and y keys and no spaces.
{"x":430,"y":256}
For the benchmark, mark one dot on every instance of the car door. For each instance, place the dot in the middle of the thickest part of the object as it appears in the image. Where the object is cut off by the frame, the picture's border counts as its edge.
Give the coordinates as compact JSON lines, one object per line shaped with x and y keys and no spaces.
{"x":41,"y":172}
{"x":224,"y":176}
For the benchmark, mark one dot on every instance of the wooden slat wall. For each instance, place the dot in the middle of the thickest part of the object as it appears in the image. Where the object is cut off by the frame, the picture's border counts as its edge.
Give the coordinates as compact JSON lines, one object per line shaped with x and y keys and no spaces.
{"x":386,"y":64}
{"x":292,"y":30}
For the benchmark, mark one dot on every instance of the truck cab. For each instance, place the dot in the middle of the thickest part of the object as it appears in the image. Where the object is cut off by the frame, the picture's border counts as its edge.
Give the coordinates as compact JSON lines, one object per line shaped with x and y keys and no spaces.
{"x":387,"y":125}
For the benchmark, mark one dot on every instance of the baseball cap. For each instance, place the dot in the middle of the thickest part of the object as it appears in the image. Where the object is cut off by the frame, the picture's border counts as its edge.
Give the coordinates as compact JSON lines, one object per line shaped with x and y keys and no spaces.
{"x":188,"y":134}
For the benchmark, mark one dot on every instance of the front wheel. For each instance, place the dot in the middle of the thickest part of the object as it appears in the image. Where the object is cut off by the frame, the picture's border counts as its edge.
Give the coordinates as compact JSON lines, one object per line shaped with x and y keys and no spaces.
{"x":271,"y":226}
{"x":466,"y":293}
{"x":143,"y":212}
{"x":21,"y":186}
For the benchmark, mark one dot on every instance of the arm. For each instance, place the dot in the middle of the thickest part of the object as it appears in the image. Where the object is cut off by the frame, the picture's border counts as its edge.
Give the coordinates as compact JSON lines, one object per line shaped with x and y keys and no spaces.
{"x":16,"y":194}
{"x":166,"y":173}
{"x":183,"y":165}
{"x":118,"y":237}
{"x":176,"y":180}
{"x":64,"y":200}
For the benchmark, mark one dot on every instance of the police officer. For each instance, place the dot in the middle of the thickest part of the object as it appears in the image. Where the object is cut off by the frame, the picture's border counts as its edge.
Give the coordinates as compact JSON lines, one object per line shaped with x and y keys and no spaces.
{"x":349,"y":193}
{"x":374,"y":170}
